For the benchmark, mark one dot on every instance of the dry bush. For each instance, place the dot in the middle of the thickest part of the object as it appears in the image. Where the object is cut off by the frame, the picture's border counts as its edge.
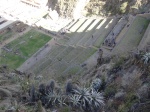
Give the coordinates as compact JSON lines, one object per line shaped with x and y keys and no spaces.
{"x":131,"y":81}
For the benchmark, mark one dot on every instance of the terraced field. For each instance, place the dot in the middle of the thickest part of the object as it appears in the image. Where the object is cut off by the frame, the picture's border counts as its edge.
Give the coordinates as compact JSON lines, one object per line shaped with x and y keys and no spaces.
{"x":89,"y":32}
{"x":133,"y":36}
{"x":80,"y":32}
{"x":105,"y":32}
{"x":6,"y":35}
{"x":68,"y":55}
{"x":19,"y":50}
{"x":75,"y":27}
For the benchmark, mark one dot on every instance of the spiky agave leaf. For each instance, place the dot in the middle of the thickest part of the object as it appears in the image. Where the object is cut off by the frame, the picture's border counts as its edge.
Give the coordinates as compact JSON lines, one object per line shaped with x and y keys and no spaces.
{"x":54,"y":99}
{"x":97,"y":100}
{"x":84,"y":96}
{"x":146,"y":58}
{"x":61,"y":101}
{"x":75,"y":100}
{"x":50,"y":96}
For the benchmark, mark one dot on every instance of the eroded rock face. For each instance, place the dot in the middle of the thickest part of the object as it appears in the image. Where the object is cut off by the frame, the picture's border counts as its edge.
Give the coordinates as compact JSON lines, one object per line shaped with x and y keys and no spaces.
{"x":67,"y":8}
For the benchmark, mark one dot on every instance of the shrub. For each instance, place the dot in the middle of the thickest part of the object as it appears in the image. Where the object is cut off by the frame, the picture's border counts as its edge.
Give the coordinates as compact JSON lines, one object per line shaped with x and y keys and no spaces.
{"x":96,"y":84}
{"x":110,"y":91}
{"x":123,"y":7}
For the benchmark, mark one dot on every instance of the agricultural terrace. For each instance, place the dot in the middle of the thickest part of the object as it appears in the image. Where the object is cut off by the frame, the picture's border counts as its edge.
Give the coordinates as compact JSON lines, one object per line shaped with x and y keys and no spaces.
{"x":18,"y":51}
{"x":133,"y":36}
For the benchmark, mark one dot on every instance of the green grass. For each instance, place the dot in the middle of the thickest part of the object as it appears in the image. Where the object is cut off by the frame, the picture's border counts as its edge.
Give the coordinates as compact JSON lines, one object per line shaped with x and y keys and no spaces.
{"x":65,"y":52}
{"x":73,"y":54}
{"x":84,"y":55}
{"x":133,"y":36}
{"x":56,"y":51}
{"x":25,"y":47}
{"x":72,"y":71}
{"x":62,"y":41}
{"x":59,"y":67}
{"x":50,"y":58}
{"x":42,"y":66}
{"x":6,"y":35}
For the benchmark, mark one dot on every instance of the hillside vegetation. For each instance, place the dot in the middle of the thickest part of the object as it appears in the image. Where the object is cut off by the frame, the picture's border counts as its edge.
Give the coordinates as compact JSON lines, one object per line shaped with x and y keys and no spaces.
{"x":101,"y":7}
{"x":116,"y":84}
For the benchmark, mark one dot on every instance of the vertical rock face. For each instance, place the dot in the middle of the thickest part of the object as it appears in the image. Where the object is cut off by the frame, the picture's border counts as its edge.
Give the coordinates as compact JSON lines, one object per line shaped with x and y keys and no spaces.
{"x":78,"y":8}
{"x":41,"y":3}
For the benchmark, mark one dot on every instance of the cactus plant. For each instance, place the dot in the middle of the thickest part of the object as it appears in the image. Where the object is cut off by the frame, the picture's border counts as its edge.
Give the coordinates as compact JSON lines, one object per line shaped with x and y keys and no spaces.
{"x":146,"y":58}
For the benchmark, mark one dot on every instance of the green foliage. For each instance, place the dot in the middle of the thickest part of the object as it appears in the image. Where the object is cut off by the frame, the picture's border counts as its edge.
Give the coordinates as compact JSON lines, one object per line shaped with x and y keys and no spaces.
{"x":55,"y":99}
{"x":25,"y":85}
{"x":130,"y":100}
{"x":82,"y":98}
{"x":119,"y":62}
{"x":110,"y":91}
{"x":123,"y":7}
{"x":65,"y":109}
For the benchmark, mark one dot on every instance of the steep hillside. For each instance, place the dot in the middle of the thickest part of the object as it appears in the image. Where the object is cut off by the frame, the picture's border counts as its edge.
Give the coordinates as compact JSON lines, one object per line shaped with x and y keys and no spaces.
{"x":115,"y":84}
{"x":101,"y":7}
{"x":112,"y":7}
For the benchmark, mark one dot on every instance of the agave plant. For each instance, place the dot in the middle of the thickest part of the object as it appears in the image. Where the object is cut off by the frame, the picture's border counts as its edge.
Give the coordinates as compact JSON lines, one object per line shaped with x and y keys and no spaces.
{"x":54,"y":99}
{"x":146,"y":58}
{"x":97,"y":100}
{"x":84,"y":97}
{"x":89,"y":100}
{"x":74,"y":100}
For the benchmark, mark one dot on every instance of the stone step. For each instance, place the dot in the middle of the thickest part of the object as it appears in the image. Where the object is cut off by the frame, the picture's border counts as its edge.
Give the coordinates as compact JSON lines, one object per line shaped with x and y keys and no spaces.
{"x":97,"y":32}
{"x":103,"y":34}
{"x":89,"y":32}
{"x":80,"y":32}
